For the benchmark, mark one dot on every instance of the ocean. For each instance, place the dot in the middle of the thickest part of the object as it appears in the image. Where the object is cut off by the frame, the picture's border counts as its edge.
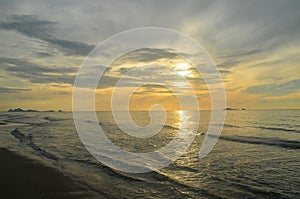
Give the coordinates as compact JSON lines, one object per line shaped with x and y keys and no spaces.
{"x":256,"y":156}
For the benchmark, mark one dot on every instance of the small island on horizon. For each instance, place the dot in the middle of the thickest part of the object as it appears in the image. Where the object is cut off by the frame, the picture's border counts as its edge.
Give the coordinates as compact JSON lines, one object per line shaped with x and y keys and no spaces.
{"x":31,"y":110}
{"x":234,"y":109}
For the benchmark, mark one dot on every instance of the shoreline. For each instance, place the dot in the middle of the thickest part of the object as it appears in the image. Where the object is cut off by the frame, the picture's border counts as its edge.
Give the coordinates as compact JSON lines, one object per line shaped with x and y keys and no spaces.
{"x":25,"y":178}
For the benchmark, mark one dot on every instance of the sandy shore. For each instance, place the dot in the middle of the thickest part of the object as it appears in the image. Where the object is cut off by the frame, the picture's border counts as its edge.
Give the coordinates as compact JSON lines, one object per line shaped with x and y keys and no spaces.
{"x":24,"y":178}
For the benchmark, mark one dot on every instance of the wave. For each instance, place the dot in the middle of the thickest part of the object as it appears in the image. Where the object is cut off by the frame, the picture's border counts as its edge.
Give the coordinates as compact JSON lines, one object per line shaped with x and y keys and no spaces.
{"x":161,"y":176}
{"x":174,"y":165}
{"x":54,"y":119}
{"x":231,"y":126}
{"x":157,"y":176}
{"x":227,"y":125}
{"x":28,"y":139}
{"x":170,"y":127}
{"x":290,"y":144}
{"x":258,"y":191}
{"x":278,"y":129}
{"x":107,"y":169}
{"x":23,"y":119}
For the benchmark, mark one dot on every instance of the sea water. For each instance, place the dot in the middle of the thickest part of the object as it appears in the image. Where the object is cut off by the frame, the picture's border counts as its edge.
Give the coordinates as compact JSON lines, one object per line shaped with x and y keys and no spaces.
{"x":256,"y":156}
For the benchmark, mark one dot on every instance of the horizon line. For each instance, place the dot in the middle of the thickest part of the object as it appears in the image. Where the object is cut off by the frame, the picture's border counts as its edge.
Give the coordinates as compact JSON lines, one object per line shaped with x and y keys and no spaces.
{"x":234,"y":109}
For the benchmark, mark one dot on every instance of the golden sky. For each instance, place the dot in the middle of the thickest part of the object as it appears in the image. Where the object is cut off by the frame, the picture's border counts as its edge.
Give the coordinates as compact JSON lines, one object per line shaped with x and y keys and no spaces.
{"x":42,"y":45}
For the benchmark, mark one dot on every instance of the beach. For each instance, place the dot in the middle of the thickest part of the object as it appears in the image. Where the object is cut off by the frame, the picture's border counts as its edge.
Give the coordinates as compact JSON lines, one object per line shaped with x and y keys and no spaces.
{"x":25,"y":178}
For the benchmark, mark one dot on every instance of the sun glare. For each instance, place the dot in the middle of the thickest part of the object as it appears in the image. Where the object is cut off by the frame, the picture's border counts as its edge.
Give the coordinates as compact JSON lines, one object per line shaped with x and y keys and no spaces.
{"x":182,"y":69}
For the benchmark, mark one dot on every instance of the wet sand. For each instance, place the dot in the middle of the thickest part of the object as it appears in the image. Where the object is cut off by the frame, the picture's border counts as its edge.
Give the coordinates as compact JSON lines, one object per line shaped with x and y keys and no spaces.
{"x":24,"y":178}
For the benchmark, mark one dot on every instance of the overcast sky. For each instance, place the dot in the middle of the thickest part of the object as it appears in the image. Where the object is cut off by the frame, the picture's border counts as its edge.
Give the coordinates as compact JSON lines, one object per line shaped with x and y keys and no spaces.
{"x":255,"y":44}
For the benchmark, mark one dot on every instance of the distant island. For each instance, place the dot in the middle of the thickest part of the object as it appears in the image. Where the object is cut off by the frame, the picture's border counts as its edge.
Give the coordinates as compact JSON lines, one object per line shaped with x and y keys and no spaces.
{"x":30,"y":110}
{"x":233,"y":109}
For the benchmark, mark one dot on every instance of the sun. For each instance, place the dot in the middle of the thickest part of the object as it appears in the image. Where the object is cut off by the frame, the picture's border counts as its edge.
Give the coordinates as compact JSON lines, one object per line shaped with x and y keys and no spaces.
{"x":182,"y":69}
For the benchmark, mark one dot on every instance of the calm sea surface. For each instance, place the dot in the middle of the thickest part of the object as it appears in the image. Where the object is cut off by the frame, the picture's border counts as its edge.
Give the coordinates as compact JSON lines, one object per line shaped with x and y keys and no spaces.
{"x":257,"y":155}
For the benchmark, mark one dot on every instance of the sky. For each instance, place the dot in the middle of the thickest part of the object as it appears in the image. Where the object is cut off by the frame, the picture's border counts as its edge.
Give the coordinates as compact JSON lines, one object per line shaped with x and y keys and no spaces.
{"x":255,"y":45}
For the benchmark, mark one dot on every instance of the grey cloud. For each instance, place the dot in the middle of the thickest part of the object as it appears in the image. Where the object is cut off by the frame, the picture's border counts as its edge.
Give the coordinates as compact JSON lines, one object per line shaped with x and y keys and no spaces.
{"x":268,"y":63}
{"x":43,"y":54}
{"x":223,"y":71}
{"x":33,"y":27}
{"x":72,"y":47}
{"x":257,"y":24}
{"x":152,"y":92}
{"x":153,"y":86}
{"x":145,"y":55}
{"x":15,"y":64}
{"x":124,"y":70}
{"x":240,"y":54}
{"x":153,"y":89}
{"x":276,"y":89}
{"x":36,"y":73}
{"x":228,"y":64}
{"x":107,"y":81}
{"x":88,"y":74}
{"x":13,"y":90}
{"x":29,"y":25}
{"x":63,"y":92}
{"x":67,"y":79}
